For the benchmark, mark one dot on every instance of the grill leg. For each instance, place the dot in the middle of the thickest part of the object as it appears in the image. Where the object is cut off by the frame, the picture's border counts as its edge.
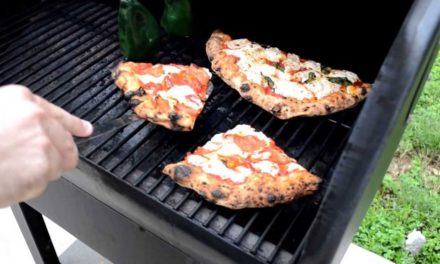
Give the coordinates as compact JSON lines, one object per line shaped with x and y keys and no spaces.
{"x":35,"y":233}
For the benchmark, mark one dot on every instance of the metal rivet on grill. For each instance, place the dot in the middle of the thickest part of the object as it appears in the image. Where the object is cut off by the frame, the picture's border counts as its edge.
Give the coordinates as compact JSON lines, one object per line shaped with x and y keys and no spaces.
{"x":181,"y":171}
{"x":218,"y":194}
{"x":245,"y":88}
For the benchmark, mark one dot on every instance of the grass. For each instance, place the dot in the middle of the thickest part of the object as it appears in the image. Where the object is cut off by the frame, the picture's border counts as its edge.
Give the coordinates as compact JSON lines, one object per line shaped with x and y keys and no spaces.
{"x":409,"y":197}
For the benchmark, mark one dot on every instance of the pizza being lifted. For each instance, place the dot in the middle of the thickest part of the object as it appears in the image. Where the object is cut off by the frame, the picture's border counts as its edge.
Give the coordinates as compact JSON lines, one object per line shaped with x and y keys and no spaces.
{"x":169,"y":95}
{"x":243,"y":168}
{"x":283,"y":83}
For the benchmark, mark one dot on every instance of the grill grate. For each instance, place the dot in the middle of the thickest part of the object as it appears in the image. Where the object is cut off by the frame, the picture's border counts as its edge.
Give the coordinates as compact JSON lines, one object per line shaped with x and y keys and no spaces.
{"x":65,"y":52}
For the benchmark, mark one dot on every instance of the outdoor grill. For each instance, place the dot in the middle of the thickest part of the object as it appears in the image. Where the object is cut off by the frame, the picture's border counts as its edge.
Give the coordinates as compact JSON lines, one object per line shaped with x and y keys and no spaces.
{"x":119,"y":203}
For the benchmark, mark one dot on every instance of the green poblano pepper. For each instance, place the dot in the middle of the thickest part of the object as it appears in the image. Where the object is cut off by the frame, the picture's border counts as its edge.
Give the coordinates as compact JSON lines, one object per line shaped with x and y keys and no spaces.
{"x":139,"y":32}
{"x":176,"y":18}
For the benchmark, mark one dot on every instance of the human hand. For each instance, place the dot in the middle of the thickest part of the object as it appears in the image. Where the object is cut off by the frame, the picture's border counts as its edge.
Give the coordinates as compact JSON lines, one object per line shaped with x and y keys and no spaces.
{"x":36,"y":143}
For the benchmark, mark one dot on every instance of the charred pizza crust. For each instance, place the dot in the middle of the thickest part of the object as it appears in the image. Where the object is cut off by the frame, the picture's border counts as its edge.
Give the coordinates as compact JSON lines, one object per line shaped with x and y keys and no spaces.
{"x":259,"y":191}
{"x":153,"y":107}
{"x":256,"y":191}
{"x":282,"y":107}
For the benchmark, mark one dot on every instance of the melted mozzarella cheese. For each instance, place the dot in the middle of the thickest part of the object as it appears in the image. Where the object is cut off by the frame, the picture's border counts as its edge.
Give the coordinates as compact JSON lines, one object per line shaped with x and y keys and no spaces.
{"x":207,"y":72}
{"x":168,"y":69}
{"x":352,"y":77}
{"x":147,"y":78}
{"x":273,"y":54}
{"x":217,"y":167}
{"x":266,"y":166}
{"x":313,"y":65}
{"x":252,"y":60}
{"x":246,"y":130}
{"x":293,"y":166}
{"x":292,"y":89}
{"x":261,"y":155}
{"x":322,"y":87}
{"x":292,"y":61}
{"x":180,"y":93}
{"x":229,"y":148}
{"x":197,"y":160}
{"x":215,"y":143}
{"x":224,"y":146}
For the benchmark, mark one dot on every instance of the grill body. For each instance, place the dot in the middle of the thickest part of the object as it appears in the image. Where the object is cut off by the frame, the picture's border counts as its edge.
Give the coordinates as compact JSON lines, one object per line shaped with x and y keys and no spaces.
{"x":65,"y":51}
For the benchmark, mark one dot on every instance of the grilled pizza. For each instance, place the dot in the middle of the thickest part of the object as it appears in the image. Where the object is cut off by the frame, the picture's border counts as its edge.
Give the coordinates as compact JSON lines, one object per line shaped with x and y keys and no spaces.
{"x":169,"y":95}
{"x":243,"y":168}
{"x":283,"y":83}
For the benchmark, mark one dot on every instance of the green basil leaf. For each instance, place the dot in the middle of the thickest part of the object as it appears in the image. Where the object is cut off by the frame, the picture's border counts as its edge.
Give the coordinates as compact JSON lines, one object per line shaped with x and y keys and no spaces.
{"x":340,"y":80}
{"x":269,"y":82}
{"x":311,"y":77}
{"x":325,"y":70}
{"x":279,"y":66}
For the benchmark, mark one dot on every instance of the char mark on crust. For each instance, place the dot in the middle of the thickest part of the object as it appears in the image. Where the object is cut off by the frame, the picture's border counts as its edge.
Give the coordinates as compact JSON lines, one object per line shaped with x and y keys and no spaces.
{"x":181,"y":171}
{"x":174,"y":117}
{"x":248,"y":98}
{"x":276,"y":110}
{"x":217,"y":194}
{"x":328,"y":109}
{"x":271,"y":198}
{"x":115,"y":74}
{"x":364,"y":91}
{"x":130,"y":94}
{"x":245,"y":88}
{"x":134,"y":102}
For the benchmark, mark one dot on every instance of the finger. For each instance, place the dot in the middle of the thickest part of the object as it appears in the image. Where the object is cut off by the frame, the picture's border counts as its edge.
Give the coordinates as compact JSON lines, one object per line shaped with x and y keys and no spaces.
{"x":63,"y":142}
{"x":71,"y":123}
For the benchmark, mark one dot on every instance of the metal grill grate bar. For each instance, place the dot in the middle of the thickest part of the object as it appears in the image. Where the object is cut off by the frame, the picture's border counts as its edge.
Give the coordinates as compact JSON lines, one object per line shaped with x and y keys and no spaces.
{"x":20,"y":18}
{"x":277,"y":248}
{"x":231,"y":220}
{"x":72,"y":103}
{"x":261,"y":238}
{"x":245,"y":230}
{"x":101,"y":113}
{"x":184,"y":198}
{"x":109,"y":137}
{"x":150,"y":131}
{"x":52,"y":38}
{"x":196,"y":209}
{"x":122,"y":142}
{"x":69,"y":52}
{"x":39,"y":30}
{"x":67,"y":69}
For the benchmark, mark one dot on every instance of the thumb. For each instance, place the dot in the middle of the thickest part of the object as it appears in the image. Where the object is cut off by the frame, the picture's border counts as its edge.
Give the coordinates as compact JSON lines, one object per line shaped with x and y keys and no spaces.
{"x":73,"y":124}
